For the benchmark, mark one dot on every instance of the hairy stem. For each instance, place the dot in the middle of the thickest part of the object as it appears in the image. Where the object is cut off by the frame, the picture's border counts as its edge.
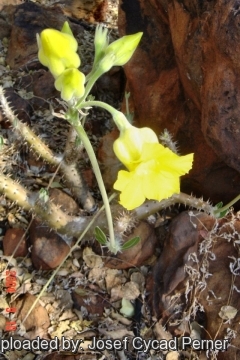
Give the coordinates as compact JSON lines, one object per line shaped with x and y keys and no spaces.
{"x":74,"y":225}
{"x":69,"y":169}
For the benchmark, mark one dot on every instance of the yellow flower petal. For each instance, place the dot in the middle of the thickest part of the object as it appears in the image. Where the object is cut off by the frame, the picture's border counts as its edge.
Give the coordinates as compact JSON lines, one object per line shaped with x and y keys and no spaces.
{"x":131,"y":191}
{"x":128,"y":147}
{"x":168,"y":160}
{"x":155,"y":177}
{"x":57,"y":50}
{"x":71,"y":84}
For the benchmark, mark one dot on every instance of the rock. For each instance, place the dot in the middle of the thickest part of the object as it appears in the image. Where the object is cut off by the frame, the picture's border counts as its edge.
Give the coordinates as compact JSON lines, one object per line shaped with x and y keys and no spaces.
{"x":66,"y":202}
{"x":90,"y":11}
{"x":183,"y":77}
{"x":37,"y":323}
{"x":198,"y":263}
{"x":12,"y":239}
{"x":139,"y":254}
{"x":9,"y":2}
{"x":48,"y":248}
{"x":5,"y":29}
{"x":27,"y":20}
{"x":113,"y":81}
{"x":41,"y":84}
{"x":20,"y":106}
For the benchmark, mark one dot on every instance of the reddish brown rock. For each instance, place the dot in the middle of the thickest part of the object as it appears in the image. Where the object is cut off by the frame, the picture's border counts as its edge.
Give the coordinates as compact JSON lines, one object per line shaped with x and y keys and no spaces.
{"x":20,"y":106}
{"x":15,"y":238}
{"x":27,"y":20}
{"x":9,"y":2}
{"x":41,"y":84}
{"x":48,"y":248}
{"x":196,"y":264}
{"x":37,"y":323}
{"x":90,"y":11}
{"x":184,"y":77}
{"x":66,"y":202}
{"x":5,"y":29}
{"x":139,"y":254}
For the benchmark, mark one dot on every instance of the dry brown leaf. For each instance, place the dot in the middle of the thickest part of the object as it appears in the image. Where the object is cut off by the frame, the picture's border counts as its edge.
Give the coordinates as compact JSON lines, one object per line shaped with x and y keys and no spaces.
{"x":173,"y":355}
{"x":130,"y":290}
{"x":91,"y":259}
{"x":116,"y":293}
{"x":227,"y":312}
{"x":65,"y":299}
{"x":138,"y":279}
{"x":116,"y":334}
{"x":121,"y":318}
{"x":114,"y":278}
{"x":62,"y":327}
{"x":97,"y":275}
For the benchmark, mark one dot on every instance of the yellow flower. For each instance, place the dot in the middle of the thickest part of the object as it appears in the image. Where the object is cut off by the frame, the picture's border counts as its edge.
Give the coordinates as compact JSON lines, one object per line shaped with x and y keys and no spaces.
{"x":155,"y":176}
{"x":128,"y":147}
{"x":71,"y":84}
{"x":58,"y":50}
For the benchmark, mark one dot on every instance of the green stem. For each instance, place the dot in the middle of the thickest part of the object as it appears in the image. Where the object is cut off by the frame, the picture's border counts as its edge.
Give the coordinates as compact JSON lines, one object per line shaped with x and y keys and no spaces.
{"x":91,"y":82}
{"x":118,"y":117}
{"x":226,"y":207}
{"x":74,"y":121}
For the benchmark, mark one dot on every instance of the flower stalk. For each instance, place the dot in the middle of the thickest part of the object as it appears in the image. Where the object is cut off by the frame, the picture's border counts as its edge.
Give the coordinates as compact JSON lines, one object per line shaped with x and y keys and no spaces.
{"x":73,"y":119}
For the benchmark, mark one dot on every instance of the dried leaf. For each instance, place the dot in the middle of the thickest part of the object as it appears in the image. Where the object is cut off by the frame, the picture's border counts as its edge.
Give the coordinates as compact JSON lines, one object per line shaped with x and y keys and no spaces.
{"x":227,"y":312}
{"x":91,"y":259}
{"x":130,"y":290}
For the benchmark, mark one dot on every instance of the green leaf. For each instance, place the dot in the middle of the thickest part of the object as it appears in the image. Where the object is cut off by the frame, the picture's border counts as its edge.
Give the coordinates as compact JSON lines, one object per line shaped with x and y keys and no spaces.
{"x":100,"y":236}
{"x":43,"y":194}
{"x":219,"y":205}
{"x":1,"y":142}
{"x":218,"y":213}
{"x":130,"y":243}
{"x":222,"y":214}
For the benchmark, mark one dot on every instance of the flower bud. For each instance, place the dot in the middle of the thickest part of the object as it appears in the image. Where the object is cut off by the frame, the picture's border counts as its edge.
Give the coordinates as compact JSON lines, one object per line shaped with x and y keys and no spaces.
{"x":123,"y":48}
{"x":100,"y":42}
{"x":57,"y":50}
{"x":71,"y":84}
{"x":119,"y":52}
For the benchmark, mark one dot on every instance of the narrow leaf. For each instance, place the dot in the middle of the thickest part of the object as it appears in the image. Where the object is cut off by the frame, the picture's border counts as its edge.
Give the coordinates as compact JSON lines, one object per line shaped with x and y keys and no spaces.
{"x":222,"y":214}
{"x":219,"y":205}
{"x":100,"y":236}
{"x":130,"y":243}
